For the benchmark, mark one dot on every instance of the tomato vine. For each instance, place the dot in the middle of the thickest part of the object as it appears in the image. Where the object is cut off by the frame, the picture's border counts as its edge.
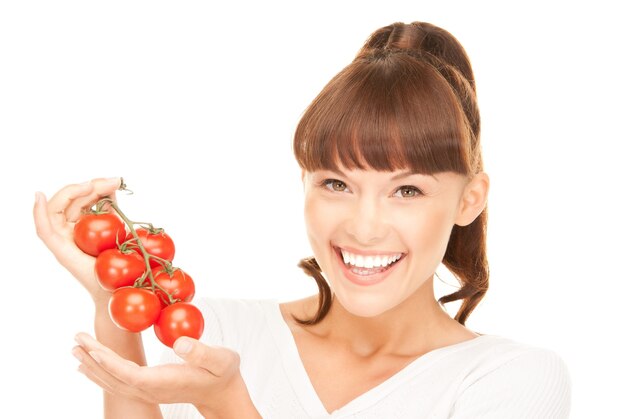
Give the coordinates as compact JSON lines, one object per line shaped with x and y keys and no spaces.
{"x":136,"y":241}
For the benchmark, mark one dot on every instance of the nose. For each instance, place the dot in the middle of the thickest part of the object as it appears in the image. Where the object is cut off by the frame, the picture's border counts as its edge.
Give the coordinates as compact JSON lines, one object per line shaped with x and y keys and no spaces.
{"x":367,"y":224}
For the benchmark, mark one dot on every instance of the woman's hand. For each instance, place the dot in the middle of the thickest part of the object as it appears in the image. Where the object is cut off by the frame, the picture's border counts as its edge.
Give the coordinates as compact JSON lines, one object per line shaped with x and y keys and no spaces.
{"x":55,"y":219}
{"x":209,"y":378}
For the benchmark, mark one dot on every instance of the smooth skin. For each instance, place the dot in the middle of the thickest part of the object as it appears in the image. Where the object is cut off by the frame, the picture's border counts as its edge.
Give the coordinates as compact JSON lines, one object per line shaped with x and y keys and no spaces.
{"x":209,"y":378}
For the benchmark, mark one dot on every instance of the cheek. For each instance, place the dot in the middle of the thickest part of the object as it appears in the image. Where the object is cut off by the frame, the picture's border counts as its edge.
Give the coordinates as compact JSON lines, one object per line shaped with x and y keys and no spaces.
{"x":428,"y":233}
{"x":320,"y":223}
{"x":318,"y":219}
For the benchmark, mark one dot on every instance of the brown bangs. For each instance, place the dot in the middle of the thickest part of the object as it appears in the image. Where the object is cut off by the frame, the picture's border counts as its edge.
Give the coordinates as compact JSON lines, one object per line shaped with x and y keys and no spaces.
{"x":388,"y":111}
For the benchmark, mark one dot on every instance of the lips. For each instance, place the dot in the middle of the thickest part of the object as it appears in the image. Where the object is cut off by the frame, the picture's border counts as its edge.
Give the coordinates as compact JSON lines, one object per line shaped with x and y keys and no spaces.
{"x":364,"y":276}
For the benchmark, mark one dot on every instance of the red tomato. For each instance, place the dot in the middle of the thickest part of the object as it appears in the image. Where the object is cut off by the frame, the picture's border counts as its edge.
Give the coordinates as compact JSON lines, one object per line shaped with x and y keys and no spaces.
{"x":179,"y":285}
{"x":159,"y":244}
{"x":115,"y":269}
{"x":176,"y":320}
{"x":94,"y":233}
{"x":134,"y":309}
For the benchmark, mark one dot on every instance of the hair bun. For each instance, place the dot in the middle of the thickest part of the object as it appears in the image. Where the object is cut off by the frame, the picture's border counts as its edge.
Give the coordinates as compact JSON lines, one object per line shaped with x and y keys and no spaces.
{"x":420,"y":39}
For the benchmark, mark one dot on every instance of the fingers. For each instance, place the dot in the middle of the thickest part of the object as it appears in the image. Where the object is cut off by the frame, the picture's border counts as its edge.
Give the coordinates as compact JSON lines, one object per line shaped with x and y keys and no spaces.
{"x":88,"y":366}
{"x":90,"y":345}
{"x":68,"y":203}
{"x":91,"y":367}
{"x":125,"y":378}
{"x":190,"y":382}
{"x":40,"y":214}
{"x":64,"y":197}
{"x":100,"y":363}
{"x":217,"y":360}
{"x":123,"y":370}
{"x":49,"y":215}
{"x":99,"y":188}
{"x":54,"y":217}
{"x":45,"y":225}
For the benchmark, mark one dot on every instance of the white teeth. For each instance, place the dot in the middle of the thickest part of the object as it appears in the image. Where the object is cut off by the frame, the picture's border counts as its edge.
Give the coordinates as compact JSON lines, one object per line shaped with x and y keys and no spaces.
{"x":368,"y":261}
{"x":360,"y":261}
{"x":385,"y":261}
{"x":378,"y":261}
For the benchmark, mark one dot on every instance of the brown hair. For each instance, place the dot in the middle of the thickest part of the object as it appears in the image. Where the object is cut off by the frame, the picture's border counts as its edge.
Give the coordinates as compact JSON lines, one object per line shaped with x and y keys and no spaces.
{"x":407,"y":101}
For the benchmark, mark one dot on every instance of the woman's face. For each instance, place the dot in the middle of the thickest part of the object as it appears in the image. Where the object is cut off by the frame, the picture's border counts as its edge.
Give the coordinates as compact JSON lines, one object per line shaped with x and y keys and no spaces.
{"x":372,"y":213}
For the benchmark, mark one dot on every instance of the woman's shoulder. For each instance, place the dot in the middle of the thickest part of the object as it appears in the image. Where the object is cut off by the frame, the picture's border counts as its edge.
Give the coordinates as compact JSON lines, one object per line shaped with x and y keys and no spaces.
{"x":494,"y":352}
{"x":515,"y":373}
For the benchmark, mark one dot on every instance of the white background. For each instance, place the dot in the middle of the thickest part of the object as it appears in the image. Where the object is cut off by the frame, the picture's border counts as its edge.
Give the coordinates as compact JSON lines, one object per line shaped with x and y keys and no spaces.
{"x":195,"y":105}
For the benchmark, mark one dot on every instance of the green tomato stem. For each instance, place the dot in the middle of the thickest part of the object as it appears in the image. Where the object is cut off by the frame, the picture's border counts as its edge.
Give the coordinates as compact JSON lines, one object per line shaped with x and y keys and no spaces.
{"x":146,"y":256}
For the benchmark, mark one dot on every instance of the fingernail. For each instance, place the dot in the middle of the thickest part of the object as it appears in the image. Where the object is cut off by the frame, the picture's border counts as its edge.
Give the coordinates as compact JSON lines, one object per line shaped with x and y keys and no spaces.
{"x":37,"y":197}
{"x":182,"y":346}
{"x":77,"y":354}
{"x":95,"y":356}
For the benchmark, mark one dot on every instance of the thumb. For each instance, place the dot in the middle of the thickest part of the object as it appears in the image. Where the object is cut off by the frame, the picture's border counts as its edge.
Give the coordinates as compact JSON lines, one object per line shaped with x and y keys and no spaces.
{"x":218,"y":360}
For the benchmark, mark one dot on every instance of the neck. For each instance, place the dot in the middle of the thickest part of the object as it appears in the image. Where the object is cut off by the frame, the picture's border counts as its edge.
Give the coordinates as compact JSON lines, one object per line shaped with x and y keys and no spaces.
{"x":411,"y":327}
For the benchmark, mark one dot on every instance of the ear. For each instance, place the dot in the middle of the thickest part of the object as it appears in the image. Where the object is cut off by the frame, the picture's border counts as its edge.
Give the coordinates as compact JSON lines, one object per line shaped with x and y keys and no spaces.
{"x":474,"y":199}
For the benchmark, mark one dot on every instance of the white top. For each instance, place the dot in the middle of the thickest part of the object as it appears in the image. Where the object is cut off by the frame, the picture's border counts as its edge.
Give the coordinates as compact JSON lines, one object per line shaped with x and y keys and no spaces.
{"x":485,"y":377}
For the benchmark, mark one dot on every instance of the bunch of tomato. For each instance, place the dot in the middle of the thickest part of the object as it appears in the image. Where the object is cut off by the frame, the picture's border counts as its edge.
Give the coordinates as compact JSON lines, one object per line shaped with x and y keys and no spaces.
{"x":135,"y":264}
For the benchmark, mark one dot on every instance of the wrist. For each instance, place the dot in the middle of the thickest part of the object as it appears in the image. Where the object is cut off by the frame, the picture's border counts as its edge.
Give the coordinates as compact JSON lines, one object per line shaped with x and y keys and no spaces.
{"x":235,"y":403}
{"x":101,"y":298}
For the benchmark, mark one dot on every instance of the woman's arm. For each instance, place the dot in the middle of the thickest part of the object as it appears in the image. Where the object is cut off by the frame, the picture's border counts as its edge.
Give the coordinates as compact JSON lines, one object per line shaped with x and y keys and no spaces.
{"x":209,"y":379}
{"x":54,"y":221}
{"x":129,"y":346}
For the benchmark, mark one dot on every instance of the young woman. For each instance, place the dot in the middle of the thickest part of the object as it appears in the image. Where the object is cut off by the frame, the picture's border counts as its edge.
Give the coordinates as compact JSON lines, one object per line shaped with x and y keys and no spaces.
{"x":394,"y":185}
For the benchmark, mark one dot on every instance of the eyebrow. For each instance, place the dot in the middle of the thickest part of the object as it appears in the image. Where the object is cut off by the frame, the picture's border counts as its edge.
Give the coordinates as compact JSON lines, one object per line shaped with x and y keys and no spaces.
{"x":396,"y":177}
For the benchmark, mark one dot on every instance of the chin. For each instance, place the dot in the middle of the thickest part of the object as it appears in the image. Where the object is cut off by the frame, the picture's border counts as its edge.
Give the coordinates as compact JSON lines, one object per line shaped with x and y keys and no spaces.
{"x":364,"y":306}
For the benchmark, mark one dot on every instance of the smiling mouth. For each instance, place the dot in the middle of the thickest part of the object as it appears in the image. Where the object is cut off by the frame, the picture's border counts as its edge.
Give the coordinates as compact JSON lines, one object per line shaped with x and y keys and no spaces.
{"x":363,"y":271}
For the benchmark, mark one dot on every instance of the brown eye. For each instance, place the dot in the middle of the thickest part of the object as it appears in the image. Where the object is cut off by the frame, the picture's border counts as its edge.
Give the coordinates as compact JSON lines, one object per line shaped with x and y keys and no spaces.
{"x":409,"y":191}
{"x":333,"y":183}
{"x":342,"y":185}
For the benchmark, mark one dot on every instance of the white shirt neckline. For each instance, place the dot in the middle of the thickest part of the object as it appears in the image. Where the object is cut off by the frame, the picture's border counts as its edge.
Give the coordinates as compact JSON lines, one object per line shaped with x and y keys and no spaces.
{"x":301,"y":383}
